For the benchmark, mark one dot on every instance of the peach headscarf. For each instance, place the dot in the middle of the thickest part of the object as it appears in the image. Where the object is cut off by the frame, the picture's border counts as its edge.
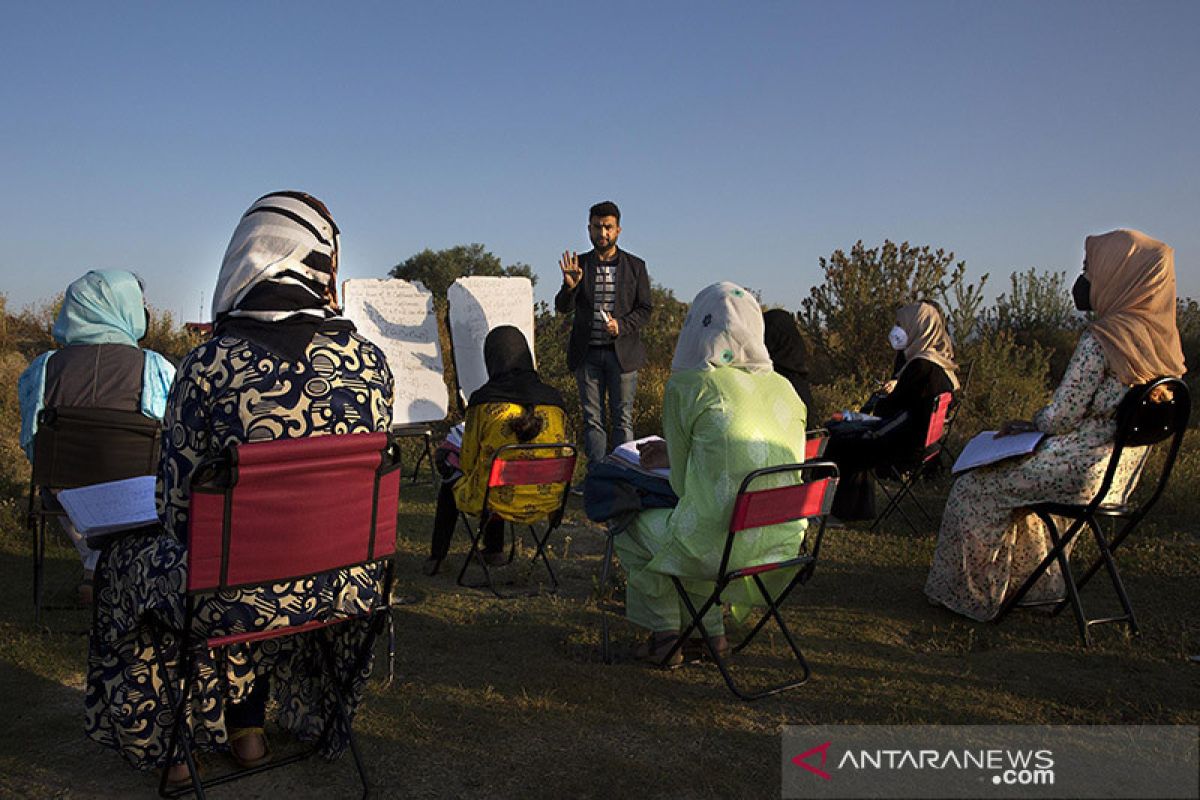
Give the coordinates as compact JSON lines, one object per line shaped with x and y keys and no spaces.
{"x":1133,"y":295}
{"x":927,"y":338}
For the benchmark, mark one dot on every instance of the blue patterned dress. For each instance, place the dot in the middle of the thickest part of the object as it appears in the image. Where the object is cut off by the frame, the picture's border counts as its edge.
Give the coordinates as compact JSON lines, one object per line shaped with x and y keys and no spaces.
{"x":227,"y":391}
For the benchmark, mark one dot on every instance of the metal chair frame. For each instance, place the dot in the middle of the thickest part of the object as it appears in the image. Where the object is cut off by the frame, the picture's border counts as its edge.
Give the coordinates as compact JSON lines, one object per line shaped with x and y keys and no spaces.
{"x":505,"y":470}
{"x":908,"y":475}
{"x":219,"y":476}
{"x":52,"y":470}
{"x":1140,"y":422}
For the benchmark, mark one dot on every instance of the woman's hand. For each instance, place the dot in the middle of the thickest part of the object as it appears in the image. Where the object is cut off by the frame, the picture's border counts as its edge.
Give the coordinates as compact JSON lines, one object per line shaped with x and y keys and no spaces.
{"x":887,"y":386}
{"x":654,"y":455}
{"x":1015,"y":426}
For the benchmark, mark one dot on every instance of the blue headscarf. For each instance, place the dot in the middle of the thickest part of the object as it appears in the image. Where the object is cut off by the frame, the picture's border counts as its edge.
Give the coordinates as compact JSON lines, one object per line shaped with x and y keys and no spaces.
{"x":102,"y":307}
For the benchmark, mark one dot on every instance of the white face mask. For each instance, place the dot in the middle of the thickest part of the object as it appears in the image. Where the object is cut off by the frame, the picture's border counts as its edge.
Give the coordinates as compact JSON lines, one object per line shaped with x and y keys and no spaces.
{"x":897,"y":338}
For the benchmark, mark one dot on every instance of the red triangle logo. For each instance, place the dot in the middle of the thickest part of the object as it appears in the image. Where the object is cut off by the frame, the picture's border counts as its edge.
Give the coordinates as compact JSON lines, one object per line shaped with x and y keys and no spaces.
{"x":823,"y":750}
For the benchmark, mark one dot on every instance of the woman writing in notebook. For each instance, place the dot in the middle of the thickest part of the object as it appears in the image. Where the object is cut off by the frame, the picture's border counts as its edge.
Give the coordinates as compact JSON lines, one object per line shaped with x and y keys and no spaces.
{"x":988,"y":544}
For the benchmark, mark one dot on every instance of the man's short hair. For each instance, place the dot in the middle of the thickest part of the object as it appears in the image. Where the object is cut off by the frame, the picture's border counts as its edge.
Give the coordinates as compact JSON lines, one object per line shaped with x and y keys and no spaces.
{"x":605,"y":209}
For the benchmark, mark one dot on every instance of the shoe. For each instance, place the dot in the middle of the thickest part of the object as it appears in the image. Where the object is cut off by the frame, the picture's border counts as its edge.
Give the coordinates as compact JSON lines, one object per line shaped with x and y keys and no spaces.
{"x":694,"y":649}
{"x":179,"y":775}
{"x":495,"y":559}
{"x":248,"y":747}
{"x":656,"y":648}
{"x":431,"y":566}
{"x":577,"y":491}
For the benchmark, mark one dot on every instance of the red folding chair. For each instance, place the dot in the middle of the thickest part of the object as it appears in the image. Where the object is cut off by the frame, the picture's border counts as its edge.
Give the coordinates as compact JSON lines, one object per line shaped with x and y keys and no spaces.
{"x":815,"y":442}
{"x":268,"y":512}
{"x":810,"y":499}
{"x":514,"y":465}
{"x":907,"y":475}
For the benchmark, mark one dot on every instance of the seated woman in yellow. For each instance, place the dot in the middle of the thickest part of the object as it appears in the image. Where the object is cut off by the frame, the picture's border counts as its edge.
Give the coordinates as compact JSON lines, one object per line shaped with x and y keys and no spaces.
{"x":513,"y":407}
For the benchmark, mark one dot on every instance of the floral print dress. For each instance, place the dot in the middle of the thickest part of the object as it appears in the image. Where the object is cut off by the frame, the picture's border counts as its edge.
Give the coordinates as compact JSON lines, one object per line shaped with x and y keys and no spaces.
{"x":227,"y":391}
{"x":989,"y":543}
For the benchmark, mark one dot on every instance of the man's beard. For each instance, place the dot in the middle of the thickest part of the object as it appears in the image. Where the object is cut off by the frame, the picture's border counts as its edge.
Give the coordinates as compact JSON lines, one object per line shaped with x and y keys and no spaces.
{"x":596,"y":243}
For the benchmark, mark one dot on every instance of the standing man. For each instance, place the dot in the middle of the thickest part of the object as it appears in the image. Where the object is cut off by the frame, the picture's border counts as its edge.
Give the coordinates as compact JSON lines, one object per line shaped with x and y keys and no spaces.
{"x":609,"y":291}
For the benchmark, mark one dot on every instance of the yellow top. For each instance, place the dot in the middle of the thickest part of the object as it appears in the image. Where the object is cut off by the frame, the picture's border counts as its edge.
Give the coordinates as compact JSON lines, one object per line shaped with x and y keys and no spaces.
{"x":486,"y":431}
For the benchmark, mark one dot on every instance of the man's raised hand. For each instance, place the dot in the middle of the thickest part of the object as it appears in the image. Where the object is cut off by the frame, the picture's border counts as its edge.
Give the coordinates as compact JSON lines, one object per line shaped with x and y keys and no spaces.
{"x":569,"y":264}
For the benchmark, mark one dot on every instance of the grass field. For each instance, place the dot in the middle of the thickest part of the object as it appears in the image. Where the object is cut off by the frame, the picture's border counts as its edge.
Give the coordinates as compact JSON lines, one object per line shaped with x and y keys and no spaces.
{"x":508,"y":699}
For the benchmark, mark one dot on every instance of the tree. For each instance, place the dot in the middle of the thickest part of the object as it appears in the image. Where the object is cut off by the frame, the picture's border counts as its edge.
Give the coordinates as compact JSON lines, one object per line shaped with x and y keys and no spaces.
{"x":437,"y":269}
{"x":847,"y":316}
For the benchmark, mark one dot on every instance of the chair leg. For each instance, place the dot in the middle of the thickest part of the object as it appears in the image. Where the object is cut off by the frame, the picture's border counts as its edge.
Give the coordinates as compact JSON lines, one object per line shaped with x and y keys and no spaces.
{"x":39,"y":566}
{"x":1106,"y":557}
{"x":344,"y":714}
{"x":1064,"y":566}
{"x":177,"y":739}
{"x":605,"y":573}
{"x":894,"y":502}
{"x":541,"y":552}
{"x":475,"y":554}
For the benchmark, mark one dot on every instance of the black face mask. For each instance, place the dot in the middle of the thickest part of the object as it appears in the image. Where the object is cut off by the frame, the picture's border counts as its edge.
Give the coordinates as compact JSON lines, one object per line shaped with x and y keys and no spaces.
{"x":1081,"y":292}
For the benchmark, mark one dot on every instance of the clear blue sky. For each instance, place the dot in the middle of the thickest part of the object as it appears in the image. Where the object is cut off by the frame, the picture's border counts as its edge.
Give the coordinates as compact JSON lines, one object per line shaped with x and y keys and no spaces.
{"x":742,"y":141}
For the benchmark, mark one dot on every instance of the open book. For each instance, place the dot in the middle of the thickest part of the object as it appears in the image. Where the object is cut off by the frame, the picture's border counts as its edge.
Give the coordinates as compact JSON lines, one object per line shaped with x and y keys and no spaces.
{"x":985,"y":449}
{"x":627,"y":455}
{"x":115,"y":506}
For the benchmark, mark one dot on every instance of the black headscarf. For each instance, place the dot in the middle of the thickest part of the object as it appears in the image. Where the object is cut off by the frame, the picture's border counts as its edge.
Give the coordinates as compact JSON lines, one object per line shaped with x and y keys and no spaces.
{"x":788,"y":355}
{"x":511,"y":376}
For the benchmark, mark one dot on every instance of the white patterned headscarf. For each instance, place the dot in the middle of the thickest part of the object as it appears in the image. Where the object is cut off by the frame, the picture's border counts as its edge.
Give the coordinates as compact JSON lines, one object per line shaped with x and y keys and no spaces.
{"x":285,"y":240}
{"x":275,"y":286}
{"x":723,"y":328}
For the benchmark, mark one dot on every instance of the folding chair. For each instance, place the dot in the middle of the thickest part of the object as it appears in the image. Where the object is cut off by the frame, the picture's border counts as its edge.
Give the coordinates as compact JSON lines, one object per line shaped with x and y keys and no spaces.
{"x":908,"y":474}
{"x":1140,"y":422}
{"x":815,"y":442}
{"x":76,"y":447}
{"x":960,"y":397}
{"x":758,"y":508}
{"x":512,"y":466}
{"x":267,"y":512}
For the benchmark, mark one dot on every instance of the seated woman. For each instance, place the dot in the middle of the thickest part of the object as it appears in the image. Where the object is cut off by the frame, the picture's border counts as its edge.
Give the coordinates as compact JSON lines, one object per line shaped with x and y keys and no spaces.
{"x":725,"y":414}
{"x":925,"y":368}
{"x":788,"y":355}
{"x":988,"y":544}
{"x":282,"y":364}
{"x":513,"y":407}
{"x":100,"y":365}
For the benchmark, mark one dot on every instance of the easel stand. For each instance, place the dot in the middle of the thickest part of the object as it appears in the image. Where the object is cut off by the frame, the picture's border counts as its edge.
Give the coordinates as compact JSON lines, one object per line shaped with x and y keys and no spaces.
{"x":423,"y":431}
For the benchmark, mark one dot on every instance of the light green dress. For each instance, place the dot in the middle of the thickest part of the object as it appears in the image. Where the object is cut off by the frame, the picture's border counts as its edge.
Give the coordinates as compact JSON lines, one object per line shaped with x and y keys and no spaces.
{"x":720,"y":424}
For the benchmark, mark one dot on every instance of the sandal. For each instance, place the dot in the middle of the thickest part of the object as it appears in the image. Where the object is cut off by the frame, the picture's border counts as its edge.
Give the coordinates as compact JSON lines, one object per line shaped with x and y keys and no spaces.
{"x":244,"y":734}
{"x":694,"y":649}
{"x":431,"y":566}
{"x":179,"y":775}
{"x":655,"y":650}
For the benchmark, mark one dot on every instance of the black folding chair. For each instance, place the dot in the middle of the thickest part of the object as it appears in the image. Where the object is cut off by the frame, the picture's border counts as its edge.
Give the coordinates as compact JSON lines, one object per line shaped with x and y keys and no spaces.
{"x":908,"y":475}
{"x":514,"y":465}
{"x":76,"y":447}
{"x":1140,"y":422}
{"x":810,"y":498}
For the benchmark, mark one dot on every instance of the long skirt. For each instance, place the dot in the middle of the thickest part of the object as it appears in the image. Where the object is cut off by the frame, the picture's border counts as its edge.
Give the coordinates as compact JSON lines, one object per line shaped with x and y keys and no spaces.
{"x":141,"y":584}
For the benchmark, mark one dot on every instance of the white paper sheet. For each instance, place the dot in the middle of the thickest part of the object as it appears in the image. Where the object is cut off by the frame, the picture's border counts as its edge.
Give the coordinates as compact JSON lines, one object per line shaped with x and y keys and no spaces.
{"x":985,"y":449}
{"x":478,"y":304}
{"x":114,"y":506}
{"x":398,"y":317}
{"x":628,"y":454}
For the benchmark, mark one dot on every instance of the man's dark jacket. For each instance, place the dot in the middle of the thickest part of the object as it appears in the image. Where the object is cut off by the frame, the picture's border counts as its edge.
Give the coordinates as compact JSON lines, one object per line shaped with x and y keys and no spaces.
{"x":631,"y":310}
